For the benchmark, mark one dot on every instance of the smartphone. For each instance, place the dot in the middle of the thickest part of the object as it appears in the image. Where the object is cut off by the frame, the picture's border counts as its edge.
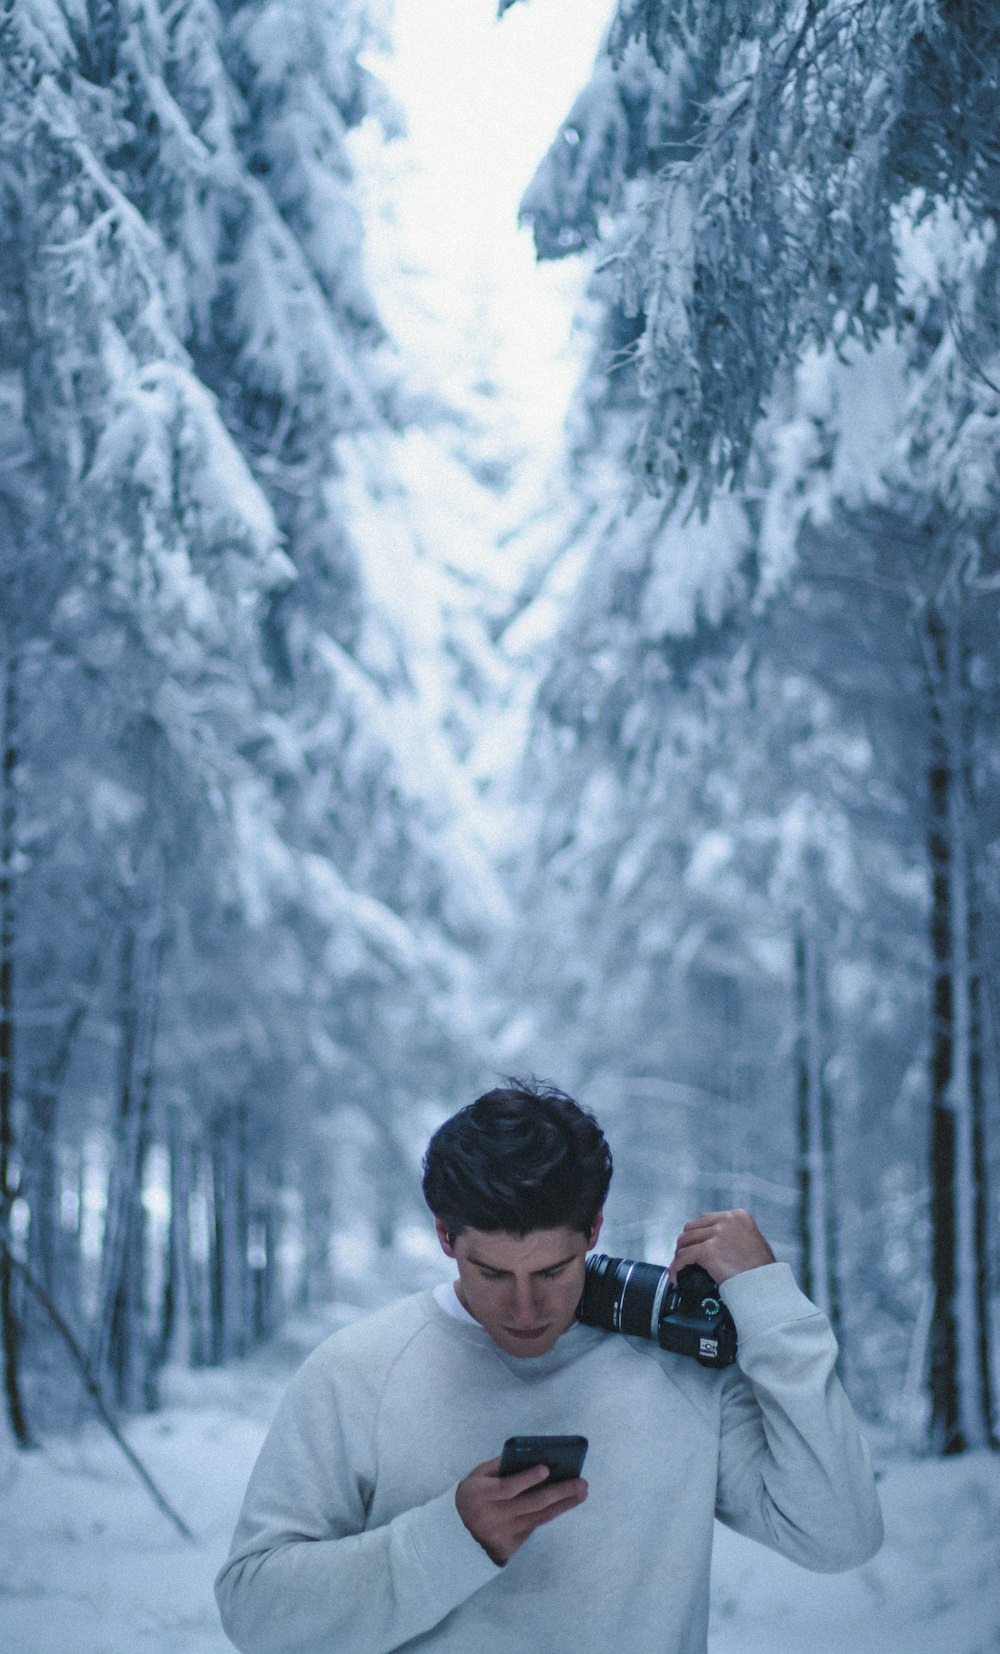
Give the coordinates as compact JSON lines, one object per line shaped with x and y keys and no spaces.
{"x":564,"y":1455}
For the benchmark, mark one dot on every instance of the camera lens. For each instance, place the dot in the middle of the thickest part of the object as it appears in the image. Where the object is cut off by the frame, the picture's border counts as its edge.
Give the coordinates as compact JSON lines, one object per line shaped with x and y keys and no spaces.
{"x":623,"y":1296}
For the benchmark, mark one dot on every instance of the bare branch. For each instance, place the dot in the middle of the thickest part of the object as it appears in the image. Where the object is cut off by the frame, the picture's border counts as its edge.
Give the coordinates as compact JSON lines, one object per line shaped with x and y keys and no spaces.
{"x":94,"y":1391}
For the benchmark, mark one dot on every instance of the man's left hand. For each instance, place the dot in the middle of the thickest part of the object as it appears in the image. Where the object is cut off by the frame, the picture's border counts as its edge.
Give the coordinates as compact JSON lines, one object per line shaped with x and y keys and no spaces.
{"x":724,"y":1243}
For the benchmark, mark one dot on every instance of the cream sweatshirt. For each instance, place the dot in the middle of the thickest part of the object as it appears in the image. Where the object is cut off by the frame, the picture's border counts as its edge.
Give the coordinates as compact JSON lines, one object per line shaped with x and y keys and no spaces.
{"x":349,"y":1540}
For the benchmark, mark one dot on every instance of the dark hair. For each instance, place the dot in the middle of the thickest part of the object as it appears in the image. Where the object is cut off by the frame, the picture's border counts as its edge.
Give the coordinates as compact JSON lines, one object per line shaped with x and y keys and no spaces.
{"x":522,"y":1157}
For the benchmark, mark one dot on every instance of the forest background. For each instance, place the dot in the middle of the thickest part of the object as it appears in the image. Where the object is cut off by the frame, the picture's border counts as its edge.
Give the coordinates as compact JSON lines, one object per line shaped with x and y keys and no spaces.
{"x":357,"y":746}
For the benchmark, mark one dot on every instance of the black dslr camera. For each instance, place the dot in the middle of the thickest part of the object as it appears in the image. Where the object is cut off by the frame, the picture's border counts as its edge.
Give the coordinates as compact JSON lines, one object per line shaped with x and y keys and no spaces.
{"x":640,"y":1299}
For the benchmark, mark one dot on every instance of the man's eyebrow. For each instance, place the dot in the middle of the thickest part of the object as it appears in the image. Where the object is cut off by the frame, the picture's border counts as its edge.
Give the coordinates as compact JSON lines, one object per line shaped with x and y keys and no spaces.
{"x":547,"y":1269}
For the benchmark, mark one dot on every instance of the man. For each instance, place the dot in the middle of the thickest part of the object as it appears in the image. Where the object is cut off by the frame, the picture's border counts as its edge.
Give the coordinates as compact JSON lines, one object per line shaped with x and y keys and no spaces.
{"x":375,"y":1518}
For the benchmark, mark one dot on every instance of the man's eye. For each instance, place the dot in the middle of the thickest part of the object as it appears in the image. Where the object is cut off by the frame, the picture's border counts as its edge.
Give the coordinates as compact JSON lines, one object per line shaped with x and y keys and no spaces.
{"x":552,"y":1274}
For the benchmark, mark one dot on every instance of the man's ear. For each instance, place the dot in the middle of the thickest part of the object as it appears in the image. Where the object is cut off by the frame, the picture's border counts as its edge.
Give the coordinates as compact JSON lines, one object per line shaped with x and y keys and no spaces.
{"x":442,"y":1235}
{"x":598,"y":1221}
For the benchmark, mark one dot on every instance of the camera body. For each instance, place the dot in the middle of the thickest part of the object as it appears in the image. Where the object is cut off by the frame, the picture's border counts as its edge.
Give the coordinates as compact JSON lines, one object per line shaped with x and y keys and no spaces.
{"x":640,"y":1300}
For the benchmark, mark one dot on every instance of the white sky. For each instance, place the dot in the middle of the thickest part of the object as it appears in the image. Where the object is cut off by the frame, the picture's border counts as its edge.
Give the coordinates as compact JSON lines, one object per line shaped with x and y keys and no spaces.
{"x":482,"y":101}
{"x":457,"y":283}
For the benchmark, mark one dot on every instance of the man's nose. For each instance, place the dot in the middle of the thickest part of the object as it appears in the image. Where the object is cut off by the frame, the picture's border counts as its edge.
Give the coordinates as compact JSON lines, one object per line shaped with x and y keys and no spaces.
{"x":526,"y":1306}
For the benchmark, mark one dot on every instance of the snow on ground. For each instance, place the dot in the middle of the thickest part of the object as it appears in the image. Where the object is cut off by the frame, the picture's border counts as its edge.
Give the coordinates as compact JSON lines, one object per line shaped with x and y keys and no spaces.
{"x":934,"y":1587}
{"x":88,"y":1564}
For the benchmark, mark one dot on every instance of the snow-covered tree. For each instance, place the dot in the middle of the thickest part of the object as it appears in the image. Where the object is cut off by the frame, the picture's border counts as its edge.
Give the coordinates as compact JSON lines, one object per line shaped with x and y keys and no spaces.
{"x":794,"y":214}
{"x":238,"y":914}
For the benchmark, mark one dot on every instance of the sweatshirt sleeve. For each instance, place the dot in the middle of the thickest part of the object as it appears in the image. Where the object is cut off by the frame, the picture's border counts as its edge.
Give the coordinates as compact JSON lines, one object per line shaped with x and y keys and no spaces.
{"x":794,"y":1471}
{"x":302,"y":1576}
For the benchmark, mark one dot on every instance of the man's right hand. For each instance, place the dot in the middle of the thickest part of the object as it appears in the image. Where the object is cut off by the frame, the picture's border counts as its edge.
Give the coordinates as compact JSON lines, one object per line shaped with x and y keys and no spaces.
{"x":501,"y":1511}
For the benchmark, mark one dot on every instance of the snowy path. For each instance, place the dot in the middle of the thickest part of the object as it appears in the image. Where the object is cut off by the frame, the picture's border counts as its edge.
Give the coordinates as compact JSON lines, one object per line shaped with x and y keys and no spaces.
{"x":88,"y":1565}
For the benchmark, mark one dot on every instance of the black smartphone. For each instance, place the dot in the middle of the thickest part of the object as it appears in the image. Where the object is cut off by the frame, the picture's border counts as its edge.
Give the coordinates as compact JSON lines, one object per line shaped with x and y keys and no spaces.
{"x":564,"y":1455}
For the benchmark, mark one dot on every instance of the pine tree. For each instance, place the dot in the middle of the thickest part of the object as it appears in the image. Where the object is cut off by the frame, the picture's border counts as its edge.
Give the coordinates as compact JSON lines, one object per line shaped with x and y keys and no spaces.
{"x":227,"y":899}
{"x":795,"y":212}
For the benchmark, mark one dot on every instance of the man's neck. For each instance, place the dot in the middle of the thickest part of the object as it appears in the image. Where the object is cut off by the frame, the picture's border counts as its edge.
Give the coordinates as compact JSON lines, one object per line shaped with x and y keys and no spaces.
{"x":447,"y":1295}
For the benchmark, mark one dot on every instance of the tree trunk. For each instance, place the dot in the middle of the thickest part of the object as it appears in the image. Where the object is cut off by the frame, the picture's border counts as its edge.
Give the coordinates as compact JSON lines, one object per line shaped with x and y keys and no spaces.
{"x":817,"y":1206}
{"x":10,"y":1330}
{"x":981,"y":1204}
{"x":121,"y":1343}
{"x":960,"y":1378}
{"x":262,"y":1260}
{"x":129,"y":1352}
{"x":177,"y":1333}
{"x":316,"y":1283}
{"x":123,"y":1168}
{"x":231,"y":1290}
{"x":201,"y":1256}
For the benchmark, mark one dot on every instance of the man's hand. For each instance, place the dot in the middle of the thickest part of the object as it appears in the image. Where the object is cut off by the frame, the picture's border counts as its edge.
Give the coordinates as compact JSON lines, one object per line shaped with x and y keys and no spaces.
{"x":501,"y":1511}
{"x":724,"y":1243}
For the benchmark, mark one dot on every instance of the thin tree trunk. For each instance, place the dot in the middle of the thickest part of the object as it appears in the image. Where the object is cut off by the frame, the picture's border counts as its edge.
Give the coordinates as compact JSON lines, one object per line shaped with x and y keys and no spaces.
{"x":120,"y":1343}
{"x":122,"y":1170}
{"x":129,"y":1352}
{"x":262,"y":1256}
{"x":201,"y":1258}
{"x":316,"y":1276}
{"x":176,"y":1342}
{"x":231,"y":1289}
{"x":10,"y":1330}
{"x":961,"y":1400}
{"x":70,"y":1249}
{"x":219,"y":1245}
{"x":981,"y":1201}
{"x":817,"y":1209}
{"x":243,"y":1294}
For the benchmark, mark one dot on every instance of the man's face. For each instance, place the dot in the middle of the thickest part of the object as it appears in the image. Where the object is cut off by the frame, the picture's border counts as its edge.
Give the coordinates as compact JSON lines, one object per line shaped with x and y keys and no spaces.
{"x":523,"y":1289}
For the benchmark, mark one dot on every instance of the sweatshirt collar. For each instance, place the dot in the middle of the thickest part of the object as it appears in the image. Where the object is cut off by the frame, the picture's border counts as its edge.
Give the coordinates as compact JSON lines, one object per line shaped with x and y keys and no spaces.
{"x":567,"y":1348}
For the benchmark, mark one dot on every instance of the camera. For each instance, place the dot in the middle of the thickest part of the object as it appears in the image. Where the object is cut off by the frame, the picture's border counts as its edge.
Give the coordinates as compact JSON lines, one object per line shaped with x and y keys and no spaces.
{"x":640,"y":1300}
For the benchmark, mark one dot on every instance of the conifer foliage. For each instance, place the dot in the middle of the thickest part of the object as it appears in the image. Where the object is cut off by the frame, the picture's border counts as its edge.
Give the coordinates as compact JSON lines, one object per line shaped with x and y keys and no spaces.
{"x":767,"y":727}
{"x":774,"y":144}
{"x":230,"y":949}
